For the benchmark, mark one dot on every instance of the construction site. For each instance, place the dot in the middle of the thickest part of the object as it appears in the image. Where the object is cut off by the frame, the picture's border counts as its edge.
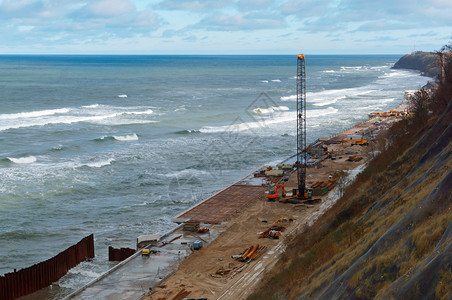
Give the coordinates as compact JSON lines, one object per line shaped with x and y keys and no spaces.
{"x":222,"y":246}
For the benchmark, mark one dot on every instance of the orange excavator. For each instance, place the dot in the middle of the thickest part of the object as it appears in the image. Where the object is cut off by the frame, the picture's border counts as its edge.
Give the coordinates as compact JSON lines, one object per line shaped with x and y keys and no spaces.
{"x":273,"y":194}
{"x":361,"y":142}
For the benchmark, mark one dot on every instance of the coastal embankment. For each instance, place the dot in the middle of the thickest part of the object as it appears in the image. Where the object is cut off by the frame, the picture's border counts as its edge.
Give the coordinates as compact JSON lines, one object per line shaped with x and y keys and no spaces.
{"x":389,"y":236}
{"x":216,"y":273}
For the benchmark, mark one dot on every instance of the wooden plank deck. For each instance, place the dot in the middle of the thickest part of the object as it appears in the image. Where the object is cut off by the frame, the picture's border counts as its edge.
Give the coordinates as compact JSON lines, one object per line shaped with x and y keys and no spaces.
{"x":223,"y":205}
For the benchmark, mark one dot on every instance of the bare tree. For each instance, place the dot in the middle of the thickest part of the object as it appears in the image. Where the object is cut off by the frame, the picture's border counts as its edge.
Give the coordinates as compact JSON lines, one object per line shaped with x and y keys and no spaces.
{"x":341,"y":182}
{"x":419,"y":101}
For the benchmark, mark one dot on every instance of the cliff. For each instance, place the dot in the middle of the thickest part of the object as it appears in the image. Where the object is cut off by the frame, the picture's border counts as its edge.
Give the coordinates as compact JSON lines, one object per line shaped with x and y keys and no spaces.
{"x":390,"y":235}
{"x":425,"y":62}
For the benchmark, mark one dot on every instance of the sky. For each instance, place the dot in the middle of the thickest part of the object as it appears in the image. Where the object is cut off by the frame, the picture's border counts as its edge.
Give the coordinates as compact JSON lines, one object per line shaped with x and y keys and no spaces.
{"x":223,"y":26}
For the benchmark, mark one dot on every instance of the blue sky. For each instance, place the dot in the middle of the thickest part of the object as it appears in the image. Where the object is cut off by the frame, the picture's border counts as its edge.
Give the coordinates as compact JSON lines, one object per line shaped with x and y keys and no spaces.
{"x":223,"y":27}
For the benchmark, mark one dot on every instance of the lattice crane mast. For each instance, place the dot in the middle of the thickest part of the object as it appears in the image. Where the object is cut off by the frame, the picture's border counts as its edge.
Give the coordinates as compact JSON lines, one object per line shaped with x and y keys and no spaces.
{"x":301,"y":128}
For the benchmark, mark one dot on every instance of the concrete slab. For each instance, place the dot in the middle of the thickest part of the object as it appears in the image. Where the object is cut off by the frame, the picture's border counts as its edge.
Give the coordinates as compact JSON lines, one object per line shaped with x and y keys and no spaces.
{"x":132,"y":278}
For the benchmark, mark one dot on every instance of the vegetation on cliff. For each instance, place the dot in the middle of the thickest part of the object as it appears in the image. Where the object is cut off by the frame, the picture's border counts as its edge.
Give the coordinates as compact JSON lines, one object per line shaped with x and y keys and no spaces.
{"x":390,"y":235}
{"x":426,"y":62}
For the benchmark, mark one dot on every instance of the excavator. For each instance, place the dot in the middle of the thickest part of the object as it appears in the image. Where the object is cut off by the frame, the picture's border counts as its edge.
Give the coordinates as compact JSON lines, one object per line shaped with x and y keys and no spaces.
{"x":273,"y":194}
{"x":361,"y":142}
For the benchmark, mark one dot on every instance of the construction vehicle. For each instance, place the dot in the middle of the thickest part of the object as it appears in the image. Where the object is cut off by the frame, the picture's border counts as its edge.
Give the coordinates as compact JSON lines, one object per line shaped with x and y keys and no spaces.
{"x":273,"y":194}
{"x":301,"y":194}
{"x":361,"y":142}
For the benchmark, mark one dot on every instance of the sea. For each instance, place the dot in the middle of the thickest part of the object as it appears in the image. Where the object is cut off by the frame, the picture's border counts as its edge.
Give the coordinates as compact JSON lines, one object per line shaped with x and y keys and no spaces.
{"x":118,"y":145}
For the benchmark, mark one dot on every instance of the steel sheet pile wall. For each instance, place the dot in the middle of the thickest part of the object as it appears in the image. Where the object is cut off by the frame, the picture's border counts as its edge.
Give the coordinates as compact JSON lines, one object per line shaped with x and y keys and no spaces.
{"x":36,"y":277}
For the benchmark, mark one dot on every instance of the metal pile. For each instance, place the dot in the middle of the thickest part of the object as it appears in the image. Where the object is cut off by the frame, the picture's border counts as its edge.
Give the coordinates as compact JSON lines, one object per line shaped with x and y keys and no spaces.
{"x":250,"y":253}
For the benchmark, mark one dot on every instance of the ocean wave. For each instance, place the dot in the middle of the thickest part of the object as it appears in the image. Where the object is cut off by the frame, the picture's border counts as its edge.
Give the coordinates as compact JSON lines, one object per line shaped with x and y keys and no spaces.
{"x":396,"y":73}
{"x":99,"y":164}
{"x":22,"y":160}
{"x":264,"y":81}
{"x":187,"y":173}
{"x":181,"y":108}
{"x":275,"y":80}
{"x":104,"y":138}
{"x":187,"y":131}
{"x":91,"y":106}
{"x":329,"y":71}
{"x":57,"y":148}
{"x":284,"y":117}
{"x":126,"y":138}
{"x":71,"y":119}
{"x":328,"y":101}
{"x":146,"y":112}
{"x":269,"y":110}
{"x":122,"y":96}
{"x":315,"y":113}
{"x":287,"y":98}
{"x":34,"y":114}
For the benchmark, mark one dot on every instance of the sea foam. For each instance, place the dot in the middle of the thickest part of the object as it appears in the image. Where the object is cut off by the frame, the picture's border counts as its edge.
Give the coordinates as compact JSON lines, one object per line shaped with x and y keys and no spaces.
{"x":34,"y":114}
{"x":99,"y":164}
{"x":269,"y":110}
{"x":91,"y":106}
{"x":127,"y":137}
{"x":22,"y":160}
{"x":288,"y":98}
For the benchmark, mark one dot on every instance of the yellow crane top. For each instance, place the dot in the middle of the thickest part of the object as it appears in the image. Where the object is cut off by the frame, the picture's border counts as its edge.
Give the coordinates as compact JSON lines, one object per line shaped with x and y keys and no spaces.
{"x":301,"y":56}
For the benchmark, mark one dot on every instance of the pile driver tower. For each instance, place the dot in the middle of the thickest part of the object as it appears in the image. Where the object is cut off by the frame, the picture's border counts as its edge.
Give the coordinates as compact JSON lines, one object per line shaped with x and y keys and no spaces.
{"x":301,"y":128}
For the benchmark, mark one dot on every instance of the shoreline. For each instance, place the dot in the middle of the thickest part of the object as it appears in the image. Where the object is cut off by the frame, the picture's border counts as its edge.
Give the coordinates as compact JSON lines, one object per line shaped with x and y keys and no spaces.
{"x":196,"y":264}
{"x":173,"y":281}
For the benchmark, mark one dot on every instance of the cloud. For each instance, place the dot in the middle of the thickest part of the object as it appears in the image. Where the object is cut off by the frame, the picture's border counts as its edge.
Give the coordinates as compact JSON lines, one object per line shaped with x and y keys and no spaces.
{"x":383,"y":25}
{"x":429,"y":33}
{"x":109,"y":8}
{"x":254,"y":5}
{"x":75,"y":20}
{"x":194,"y":6}
{"x":239,"y":22}
{"x":327,"y":15}
{"x":305,"y":8}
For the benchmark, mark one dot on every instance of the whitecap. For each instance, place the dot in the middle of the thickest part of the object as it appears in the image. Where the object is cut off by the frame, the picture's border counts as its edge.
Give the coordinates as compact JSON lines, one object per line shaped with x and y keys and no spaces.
{"x":321,"y":112}
{"x":264,"y":81}
{"x":34,"y":114}
{"x":287,"y":98}
{"x":122,"y":96}
{"x":146,"y":112}
{"x":275,"y":80}
{"x":284,"y":117}
{"x":269,"y":110}
{"x":23,"y":160}
{"x":328,"y":101}
{"x":99,"y":164}
{"x":186,"y":173}
{"x":181,"y":108}
{"x":127,"y":137}
{"x":89,"y":273}
{"x":91,"y":106}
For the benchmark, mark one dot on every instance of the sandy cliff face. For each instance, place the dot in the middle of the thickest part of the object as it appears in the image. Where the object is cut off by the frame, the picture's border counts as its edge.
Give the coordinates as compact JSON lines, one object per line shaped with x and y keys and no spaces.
{"x":411,"y":224}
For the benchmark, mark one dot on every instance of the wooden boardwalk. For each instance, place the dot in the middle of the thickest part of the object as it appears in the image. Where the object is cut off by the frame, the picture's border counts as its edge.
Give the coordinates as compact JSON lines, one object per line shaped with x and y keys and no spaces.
{"x":223,"y":205}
